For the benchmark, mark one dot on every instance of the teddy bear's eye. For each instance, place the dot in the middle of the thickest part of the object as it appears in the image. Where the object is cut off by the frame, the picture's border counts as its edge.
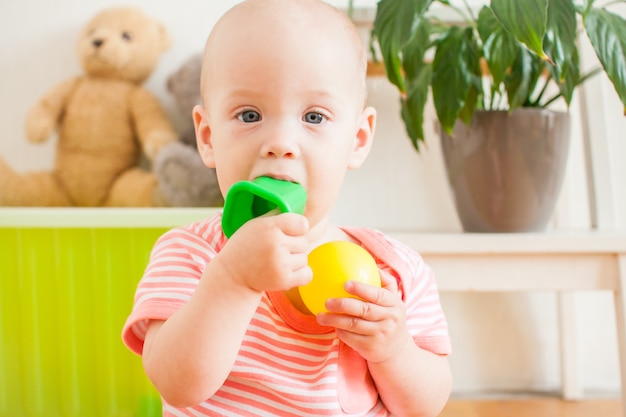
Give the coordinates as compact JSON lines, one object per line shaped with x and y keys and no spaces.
{"x":126,"y":36}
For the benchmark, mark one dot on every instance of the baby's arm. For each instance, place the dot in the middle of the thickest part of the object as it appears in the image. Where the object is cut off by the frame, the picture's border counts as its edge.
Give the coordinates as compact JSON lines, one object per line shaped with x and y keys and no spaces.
{"x":414,"y":382}
{"x":189,"y":356}
{"x":410,"y":381}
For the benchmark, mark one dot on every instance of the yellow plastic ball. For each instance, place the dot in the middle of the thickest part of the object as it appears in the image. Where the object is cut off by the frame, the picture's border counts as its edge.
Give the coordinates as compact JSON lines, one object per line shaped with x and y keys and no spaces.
{"x":333,"y":264}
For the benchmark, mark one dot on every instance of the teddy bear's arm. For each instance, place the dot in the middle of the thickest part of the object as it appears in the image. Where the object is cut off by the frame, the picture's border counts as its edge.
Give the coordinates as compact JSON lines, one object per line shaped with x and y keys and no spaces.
{"x":43,"y":117}
{"x":152,"y":124}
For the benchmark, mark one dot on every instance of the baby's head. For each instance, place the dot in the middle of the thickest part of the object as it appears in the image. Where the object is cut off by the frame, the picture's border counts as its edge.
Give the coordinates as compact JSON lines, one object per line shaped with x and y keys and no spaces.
{"x":283,"y":85}
{"x":277,"y":29}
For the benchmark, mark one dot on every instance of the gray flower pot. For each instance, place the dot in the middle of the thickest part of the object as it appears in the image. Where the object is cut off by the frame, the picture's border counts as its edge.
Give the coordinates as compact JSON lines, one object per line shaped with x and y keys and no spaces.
{"x":506,"y":169}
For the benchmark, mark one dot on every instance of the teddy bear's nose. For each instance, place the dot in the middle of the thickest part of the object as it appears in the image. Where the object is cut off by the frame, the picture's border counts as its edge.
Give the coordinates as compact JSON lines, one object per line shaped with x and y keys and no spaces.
{"x":97,"y":43}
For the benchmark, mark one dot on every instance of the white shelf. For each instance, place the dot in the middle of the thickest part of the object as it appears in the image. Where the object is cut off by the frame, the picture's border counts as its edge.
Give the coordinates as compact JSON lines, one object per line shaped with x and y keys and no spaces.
{"x":552,"y":242}
{"x":99,"y":217}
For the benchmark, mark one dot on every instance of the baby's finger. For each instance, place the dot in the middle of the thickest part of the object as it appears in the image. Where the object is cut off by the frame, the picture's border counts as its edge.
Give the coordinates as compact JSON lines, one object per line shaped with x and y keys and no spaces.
{"x":370,"y":293}
{"x":302,"y":276}
{"x":354,"y":308}
{"x":299,"y":246}
{"x":389,"y":282}
{"x":292,"y":224}
{"x":354,"y":325}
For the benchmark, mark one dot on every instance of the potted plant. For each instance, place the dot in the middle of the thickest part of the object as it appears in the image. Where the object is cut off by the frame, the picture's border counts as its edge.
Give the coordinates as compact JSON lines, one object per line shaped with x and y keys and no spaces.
{"x":504,"y":65}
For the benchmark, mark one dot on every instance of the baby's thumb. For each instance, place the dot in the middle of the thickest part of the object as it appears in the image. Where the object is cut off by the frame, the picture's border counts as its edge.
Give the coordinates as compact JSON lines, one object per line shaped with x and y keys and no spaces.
{"x":293,"y":224}
{"x":388,"y":281}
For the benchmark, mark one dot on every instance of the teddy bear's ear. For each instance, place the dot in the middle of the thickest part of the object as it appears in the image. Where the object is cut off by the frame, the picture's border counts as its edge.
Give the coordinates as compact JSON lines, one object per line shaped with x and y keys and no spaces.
{"x":166,"y":41}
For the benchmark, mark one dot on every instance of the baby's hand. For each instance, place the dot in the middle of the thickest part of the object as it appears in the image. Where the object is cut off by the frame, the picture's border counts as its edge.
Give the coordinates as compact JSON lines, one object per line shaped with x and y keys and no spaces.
{"x":375,"y":325}
{"x":269,"y":253}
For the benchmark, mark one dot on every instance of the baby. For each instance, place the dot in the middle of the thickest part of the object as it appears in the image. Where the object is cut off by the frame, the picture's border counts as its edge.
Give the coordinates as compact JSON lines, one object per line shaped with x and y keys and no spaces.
{"x":219,"y":322}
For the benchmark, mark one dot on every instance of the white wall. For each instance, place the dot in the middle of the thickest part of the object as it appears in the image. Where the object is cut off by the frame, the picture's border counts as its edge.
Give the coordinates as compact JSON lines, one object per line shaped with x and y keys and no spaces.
{"x":396,"y":189}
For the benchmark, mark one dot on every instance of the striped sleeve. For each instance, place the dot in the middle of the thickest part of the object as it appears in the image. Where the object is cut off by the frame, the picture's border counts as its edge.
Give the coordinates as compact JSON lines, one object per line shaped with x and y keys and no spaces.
{"x":426,"y":320}
{"x":172,"y":275}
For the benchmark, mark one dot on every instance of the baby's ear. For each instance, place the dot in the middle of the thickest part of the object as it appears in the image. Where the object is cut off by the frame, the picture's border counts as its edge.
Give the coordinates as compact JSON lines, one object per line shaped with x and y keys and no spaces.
{"x":364,"y":138}
{"x":203,"y":136}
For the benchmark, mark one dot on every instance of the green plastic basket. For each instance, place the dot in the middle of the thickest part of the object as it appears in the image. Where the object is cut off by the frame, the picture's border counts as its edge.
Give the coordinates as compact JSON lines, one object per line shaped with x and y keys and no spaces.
{"x":67,"y":281}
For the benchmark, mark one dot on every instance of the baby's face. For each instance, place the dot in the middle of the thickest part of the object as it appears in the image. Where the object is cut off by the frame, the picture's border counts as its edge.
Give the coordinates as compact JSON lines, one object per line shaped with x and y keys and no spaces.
{"x":286,"y":103}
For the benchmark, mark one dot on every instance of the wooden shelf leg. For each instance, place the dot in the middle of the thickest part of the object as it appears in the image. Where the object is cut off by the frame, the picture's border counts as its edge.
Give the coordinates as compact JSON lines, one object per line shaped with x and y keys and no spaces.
{"x":620,"y":315}
{"x":570,"y":357}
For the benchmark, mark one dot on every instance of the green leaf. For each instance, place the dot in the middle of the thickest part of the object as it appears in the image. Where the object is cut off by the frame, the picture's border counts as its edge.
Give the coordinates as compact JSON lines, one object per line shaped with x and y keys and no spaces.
{"x":607,"y":33}
{"x":499,"y":46}
{"x":559,"y":44}
{"x":522,"y":79}
{"x":586,"y":7}
{"x":414,"y":50}
{"x":393,"y":27}
{"x":570,"y":77}
{"x":414,"y":104}
{"x":526,"y":20}
{"x":467,"y":112}
{"x":407,"y":118}
{"x":455,"y":67}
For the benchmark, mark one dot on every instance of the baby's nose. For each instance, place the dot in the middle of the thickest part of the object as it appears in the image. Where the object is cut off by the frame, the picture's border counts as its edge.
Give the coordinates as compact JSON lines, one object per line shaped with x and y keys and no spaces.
{"x":281,"y":144}
{"x":279,"y":149}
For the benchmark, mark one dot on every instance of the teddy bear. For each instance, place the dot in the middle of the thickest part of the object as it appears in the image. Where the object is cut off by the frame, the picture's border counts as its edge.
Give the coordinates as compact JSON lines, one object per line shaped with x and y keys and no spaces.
{"x":183,"y":177}
{"x":104,"y":120}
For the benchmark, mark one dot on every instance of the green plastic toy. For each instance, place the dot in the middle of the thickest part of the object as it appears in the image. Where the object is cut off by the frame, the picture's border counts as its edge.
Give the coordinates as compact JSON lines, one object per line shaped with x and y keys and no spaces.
{"x":249,"y":199}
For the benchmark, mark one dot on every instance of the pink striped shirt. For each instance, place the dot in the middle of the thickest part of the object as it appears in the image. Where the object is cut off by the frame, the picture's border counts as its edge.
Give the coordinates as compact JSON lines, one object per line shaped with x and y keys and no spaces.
{"x":287,"y":364}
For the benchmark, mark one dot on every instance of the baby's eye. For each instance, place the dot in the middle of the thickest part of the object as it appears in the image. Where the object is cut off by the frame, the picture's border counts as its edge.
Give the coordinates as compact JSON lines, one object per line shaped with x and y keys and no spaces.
{"x":314,"y":118}
{"x":249,"y":116}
